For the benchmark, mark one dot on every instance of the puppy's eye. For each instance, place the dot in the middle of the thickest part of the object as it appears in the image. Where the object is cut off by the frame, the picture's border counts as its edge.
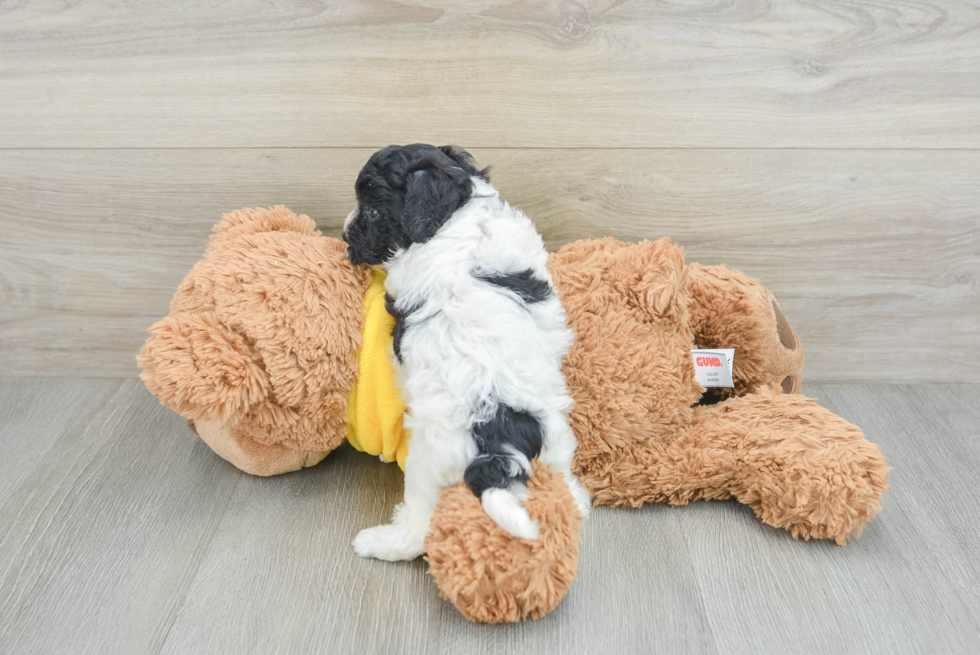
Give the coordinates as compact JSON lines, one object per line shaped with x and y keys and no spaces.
{"x":374,"y":213}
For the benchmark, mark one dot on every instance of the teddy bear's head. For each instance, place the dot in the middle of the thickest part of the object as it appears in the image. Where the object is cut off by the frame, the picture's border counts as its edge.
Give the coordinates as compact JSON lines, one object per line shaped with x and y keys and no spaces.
{"x":259,"y":350}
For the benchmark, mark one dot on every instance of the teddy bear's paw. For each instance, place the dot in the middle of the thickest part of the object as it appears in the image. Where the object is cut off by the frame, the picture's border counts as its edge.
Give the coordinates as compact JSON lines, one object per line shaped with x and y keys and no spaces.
{"x":392,"y":542}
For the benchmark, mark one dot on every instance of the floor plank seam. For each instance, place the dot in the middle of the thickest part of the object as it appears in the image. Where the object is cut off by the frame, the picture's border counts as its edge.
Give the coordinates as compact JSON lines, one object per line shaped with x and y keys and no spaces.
{"x":700,"y":590}
{"x":192,"y":579}
{"x":89,"y":418}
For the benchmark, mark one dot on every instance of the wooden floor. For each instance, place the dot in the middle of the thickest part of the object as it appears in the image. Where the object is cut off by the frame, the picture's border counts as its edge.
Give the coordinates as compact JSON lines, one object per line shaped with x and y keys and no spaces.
{"x":121,"y":532}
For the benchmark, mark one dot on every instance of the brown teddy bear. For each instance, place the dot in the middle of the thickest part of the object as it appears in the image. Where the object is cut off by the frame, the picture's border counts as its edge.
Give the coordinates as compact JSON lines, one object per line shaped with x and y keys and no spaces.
{"x":263,"y":353}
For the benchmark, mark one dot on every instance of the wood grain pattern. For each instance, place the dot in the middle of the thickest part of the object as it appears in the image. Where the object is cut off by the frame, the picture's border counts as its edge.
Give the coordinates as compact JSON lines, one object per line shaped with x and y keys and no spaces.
{"x":492,"y":73}
{"x":875,"y":256}
{"x":822,"y":598}
{"x":129,"y":534}
{"x":377,"y":607}
{"x":34,"y":413}
{"x":99,"y":542}
{"x":940,"y":461}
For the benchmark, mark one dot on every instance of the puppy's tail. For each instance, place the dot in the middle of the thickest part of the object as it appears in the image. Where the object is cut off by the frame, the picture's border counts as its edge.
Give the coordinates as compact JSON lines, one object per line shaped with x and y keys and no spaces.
{"x":506,"y":444}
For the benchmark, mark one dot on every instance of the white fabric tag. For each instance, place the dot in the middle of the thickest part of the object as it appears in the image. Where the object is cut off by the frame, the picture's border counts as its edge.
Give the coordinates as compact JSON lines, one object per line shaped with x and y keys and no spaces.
{"x":713,"y":368}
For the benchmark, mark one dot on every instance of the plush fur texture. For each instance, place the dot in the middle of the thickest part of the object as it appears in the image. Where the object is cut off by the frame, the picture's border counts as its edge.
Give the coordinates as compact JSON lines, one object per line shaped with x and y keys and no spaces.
{"x":488,"y":574}
{"x":637,"y":311}
{"x":642,"y":435}
{"x":261,"y":339}
{"x":480,"y":338}
{"x":725,"y":309}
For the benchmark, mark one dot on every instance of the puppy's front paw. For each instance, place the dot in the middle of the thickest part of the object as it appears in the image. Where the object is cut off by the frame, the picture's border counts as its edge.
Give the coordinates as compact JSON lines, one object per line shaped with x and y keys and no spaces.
{"x":390,"y":542}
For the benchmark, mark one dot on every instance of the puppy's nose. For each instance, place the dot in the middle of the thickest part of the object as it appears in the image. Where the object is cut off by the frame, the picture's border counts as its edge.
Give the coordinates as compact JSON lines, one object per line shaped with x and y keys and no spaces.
{"x":350,"y":217}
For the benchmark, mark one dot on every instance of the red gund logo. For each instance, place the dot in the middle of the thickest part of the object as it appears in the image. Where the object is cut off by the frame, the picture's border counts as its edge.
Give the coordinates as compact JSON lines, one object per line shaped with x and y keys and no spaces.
{"x":708,"y":361}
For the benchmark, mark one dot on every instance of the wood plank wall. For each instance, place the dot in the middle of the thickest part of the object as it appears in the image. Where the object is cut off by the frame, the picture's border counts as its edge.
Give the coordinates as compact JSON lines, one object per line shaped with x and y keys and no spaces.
{"x":831,"y":149}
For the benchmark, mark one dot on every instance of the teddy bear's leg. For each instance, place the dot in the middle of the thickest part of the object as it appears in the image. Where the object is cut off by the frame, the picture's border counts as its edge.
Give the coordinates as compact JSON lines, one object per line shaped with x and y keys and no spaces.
{"x":731,"y":310}
{"x":251,"y":456}
{"x":652,"y":471}
{"x":798,"y":465}
{"x":492,"y":576}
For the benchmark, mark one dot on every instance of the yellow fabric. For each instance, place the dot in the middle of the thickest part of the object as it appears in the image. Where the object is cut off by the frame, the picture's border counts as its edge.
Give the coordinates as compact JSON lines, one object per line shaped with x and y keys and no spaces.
{"x":375,"y":407}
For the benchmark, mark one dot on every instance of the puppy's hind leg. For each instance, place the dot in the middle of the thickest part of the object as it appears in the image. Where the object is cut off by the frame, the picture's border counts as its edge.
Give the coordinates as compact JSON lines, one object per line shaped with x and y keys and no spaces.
{"x":506,"y":443}
{"x":558,"y":452}
{"x":404,"y":537}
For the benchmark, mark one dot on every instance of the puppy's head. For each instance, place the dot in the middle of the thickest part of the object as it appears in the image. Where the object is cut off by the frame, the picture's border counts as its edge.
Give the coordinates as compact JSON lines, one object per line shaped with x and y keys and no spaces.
{"x":404,"y":195}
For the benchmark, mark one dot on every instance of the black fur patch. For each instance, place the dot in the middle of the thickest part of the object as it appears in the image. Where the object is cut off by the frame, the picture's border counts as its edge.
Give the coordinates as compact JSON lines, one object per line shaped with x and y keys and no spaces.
{"x":506,"y":431}
{"x":404,"y":195}
{"x":711,"y":396}
{"x":398,"y":332}
{"x":524,"y":284}
{"x":368,"y":241}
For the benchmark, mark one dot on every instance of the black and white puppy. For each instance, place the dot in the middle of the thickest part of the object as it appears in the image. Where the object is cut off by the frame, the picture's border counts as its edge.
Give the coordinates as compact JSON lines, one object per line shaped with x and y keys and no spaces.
{"x":479,"y":339}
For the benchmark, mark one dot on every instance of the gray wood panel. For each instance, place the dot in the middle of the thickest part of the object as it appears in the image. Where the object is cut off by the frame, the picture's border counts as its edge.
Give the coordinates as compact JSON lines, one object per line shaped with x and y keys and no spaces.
{"x":936,"y":468}
{"x":874,"y":255}
{"x":99,"y":541}
{"x":531,"y":73}
{"x":129,"y":535}
{"x":280,"y":574}
{"x":860,"y":598}
{"x":34,"y":413}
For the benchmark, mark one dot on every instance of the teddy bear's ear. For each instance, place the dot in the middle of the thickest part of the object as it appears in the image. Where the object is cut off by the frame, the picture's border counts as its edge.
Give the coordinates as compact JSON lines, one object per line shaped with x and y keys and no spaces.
{"x":253,"y":221}
{"x":201,"y":369}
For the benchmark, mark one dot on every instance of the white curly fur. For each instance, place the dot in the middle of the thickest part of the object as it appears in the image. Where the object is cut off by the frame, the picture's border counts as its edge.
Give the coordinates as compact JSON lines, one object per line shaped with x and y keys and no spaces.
{"x":469,"y":345}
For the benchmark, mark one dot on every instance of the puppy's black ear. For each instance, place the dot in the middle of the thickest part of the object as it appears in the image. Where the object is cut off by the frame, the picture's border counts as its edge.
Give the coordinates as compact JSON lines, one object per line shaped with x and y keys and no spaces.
{"x":465,"y":161}
{"x":432,"y":193}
